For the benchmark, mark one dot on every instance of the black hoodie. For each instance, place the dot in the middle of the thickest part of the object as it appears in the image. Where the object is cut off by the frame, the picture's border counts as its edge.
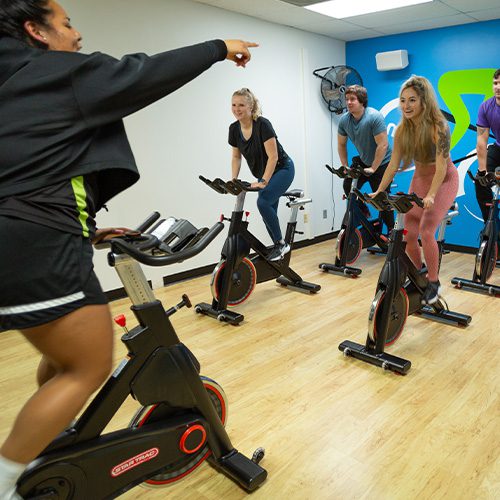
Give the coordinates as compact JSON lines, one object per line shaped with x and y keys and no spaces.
{"x":61,"y":112}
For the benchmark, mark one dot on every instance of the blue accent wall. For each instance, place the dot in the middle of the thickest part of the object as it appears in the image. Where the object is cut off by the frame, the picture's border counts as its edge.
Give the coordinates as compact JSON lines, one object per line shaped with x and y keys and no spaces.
{"x":459,"y":61}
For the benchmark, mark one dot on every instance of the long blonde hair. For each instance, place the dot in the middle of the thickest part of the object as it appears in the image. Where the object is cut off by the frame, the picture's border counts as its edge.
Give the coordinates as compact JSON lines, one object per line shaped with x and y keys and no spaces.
{"x":415,"y":139}
{"x":252,"y":101}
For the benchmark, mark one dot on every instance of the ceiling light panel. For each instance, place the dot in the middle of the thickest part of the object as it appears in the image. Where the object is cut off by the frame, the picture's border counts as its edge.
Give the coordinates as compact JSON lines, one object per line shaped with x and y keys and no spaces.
{"x":340,"y":9}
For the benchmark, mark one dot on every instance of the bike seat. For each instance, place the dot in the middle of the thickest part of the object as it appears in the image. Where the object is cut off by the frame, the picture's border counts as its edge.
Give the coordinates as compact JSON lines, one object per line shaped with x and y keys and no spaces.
{"x":294,"y":193}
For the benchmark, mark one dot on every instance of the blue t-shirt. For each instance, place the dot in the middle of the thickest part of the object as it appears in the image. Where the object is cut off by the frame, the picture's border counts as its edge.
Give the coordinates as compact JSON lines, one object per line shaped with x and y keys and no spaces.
{"x":361,"y":133}
{"x":489,"y":117}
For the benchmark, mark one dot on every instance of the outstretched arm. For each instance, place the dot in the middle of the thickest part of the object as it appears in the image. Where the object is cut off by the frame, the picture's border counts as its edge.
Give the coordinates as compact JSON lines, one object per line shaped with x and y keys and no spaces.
{"x":107,"y":89}
{"x":237,"y":51}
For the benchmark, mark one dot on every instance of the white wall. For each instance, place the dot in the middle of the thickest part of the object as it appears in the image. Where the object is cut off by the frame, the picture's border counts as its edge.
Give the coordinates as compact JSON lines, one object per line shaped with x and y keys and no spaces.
{"x":185,"y":134}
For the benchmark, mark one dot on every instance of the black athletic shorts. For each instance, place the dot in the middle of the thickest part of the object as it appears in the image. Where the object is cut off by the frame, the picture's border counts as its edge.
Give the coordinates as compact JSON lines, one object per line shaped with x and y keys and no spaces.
{"x":44,"y":274}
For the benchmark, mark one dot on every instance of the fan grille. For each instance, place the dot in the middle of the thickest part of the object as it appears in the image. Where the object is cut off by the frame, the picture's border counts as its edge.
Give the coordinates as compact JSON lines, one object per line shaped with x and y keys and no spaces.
{"x":334,"y":83}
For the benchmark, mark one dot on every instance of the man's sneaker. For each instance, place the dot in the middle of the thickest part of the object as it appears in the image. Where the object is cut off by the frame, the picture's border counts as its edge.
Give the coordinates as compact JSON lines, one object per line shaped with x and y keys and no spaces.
{"x":278,"y":252}
{"x":431,"y":293}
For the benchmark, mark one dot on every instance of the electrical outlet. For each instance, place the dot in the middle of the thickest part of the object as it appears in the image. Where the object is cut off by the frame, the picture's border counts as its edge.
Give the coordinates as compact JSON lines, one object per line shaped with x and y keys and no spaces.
{"x":306,"y":218}
{"x":325,"y":214}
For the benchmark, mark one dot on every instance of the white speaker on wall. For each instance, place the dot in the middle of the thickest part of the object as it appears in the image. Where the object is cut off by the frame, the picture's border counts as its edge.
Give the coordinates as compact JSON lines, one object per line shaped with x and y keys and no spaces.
{"x":395,"y":59}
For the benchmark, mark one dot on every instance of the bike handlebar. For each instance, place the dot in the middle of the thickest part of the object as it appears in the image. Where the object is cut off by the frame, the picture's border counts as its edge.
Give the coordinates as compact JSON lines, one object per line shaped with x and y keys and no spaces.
{"x":243,"y":185}
{"x":354,"y":172}
{"x":217,"y":184}
{"x":489,"y":179}
{"x":136,"y":247}
{"x":400,"y":202}
{"x":234,"y":186}
{"x":148,"y":222}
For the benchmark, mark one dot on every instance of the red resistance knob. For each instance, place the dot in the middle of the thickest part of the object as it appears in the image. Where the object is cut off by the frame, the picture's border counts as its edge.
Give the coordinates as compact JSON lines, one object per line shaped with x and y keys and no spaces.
{"x":120,"y":320}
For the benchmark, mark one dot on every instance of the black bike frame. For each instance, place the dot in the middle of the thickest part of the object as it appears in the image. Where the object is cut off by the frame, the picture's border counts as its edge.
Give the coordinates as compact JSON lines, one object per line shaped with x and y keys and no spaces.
{"x":399,"y":272}
{"x":159,"y":369}
{"x":353,"y":217}
{"x":489,"y":236}
{"x":238,"y":245}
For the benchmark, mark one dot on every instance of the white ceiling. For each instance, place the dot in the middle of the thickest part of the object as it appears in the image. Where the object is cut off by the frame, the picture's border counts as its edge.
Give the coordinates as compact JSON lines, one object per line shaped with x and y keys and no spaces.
{"x":437,"y":14}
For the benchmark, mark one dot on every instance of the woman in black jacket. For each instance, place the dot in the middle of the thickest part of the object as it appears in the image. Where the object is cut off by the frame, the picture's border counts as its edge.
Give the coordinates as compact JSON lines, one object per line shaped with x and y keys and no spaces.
{"x":63,"y":154}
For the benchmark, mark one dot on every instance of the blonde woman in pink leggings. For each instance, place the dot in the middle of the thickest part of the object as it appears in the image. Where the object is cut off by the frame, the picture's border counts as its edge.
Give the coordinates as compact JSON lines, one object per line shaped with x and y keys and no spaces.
{"x":423,"y":138}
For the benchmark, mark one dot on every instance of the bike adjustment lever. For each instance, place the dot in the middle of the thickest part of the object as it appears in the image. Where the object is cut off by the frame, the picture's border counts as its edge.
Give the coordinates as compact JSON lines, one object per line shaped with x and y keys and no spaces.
{"x":184,"y":302}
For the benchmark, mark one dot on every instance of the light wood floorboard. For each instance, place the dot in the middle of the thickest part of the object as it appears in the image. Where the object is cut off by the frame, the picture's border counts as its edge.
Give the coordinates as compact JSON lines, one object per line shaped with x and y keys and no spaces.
{"x":332,"y":427}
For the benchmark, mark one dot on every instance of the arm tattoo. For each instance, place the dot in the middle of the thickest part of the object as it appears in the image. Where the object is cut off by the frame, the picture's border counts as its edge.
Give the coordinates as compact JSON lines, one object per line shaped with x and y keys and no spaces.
{"x":443,"y":143}
{"x":481,"y":130}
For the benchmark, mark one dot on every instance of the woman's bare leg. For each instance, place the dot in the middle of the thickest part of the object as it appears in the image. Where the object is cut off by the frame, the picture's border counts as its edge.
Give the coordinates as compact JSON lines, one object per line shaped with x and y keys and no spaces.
{"x":46,"y":370}
{"x":77,"y":350}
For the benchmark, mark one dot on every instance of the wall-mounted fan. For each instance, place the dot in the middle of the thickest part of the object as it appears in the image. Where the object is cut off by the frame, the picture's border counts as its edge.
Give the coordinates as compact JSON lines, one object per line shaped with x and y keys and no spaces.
{"x":333,"y":84}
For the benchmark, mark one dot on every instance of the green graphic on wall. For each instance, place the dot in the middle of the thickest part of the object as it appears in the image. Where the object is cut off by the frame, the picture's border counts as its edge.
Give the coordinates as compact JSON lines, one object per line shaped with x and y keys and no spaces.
{"x":453,"y":85}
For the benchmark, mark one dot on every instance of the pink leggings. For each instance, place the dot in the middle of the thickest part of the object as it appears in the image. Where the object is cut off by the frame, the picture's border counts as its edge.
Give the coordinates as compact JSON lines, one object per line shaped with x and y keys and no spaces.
{"x":425,"y":222}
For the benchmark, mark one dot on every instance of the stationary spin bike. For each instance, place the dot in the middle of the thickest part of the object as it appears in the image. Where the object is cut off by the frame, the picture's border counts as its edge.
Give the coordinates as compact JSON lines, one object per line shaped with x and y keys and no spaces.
{"x":236,"y":275}
{"x":350,"y":239}
{"x":399,"y":291}
{"x":181,"y":421}
{"x":487,"y":253}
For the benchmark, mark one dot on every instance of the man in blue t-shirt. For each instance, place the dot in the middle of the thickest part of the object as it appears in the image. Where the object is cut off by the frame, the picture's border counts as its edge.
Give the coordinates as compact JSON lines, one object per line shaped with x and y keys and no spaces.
{"x":488,"y":156}
{"x":366,"y":129}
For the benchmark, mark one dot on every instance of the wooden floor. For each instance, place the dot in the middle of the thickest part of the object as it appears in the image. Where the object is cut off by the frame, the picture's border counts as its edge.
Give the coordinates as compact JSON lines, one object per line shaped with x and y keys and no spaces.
{"x":333,"y":427}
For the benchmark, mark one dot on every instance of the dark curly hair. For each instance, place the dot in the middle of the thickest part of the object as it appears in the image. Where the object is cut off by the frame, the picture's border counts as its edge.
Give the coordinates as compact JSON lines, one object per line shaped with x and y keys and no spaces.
{"x":496,"y":74}
{"x":14,"y":13}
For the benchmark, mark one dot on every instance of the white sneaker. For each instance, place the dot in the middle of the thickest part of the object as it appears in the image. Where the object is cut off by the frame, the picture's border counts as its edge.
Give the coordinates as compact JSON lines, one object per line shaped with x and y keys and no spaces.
{"x":278,"y":252}
{"x":431,"y":293}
